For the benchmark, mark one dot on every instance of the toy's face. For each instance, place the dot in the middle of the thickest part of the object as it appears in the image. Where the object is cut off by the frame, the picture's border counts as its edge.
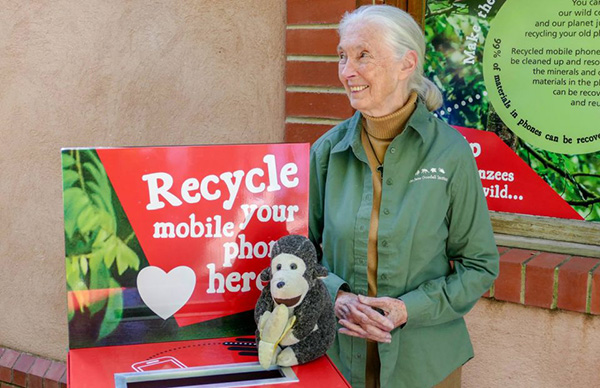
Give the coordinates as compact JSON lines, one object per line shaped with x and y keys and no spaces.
{"x":288,"y":284}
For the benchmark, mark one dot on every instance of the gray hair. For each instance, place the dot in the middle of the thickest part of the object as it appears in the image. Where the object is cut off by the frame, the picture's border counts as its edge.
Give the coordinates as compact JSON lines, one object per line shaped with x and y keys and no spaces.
{"x":401,"y":33}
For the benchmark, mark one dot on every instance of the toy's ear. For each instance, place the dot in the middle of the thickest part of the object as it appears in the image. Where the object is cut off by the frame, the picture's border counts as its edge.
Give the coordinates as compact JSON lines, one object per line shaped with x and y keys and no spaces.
{"x":265,"y":275}
{"x":320,"y":271}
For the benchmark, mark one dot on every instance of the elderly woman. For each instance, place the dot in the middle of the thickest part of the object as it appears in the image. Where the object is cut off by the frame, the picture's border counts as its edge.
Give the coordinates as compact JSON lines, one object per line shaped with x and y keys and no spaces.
{"x":397,"y":207}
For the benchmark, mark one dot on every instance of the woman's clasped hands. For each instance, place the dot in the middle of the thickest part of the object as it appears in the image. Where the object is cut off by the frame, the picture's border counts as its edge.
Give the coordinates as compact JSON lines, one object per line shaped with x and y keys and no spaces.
{"x":359,"y":317}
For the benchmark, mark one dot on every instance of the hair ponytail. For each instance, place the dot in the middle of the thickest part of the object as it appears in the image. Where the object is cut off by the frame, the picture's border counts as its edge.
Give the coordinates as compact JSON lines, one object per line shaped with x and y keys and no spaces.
{"x":430,"y":94}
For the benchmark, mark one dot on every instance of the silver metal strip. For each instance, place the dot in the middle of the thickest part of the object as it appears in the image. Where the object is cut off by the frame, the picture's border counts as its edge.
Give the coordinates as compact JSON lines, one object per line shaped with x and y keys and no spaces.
{"x":122,"y":379}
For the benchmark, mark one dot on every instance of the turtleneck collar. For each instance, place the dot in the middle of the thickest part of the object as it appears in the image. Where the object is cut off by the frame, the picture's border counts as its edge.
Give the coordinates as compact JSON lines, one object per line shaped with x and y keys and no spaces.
{"x":389,"y":126}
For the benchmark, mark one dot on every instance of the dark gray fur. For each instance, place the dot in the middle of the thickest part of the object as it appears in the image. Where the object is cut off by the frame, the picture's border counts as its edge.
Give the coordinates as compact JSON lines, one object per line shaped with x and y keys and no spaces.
{"x":316,"y":308}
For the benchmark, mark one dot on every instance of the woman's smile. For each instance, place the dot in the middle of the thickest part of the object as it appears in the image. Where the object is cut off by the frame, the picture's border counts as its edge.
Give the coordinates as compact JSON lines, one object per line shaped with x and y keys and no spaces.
{"x":356,"y":89}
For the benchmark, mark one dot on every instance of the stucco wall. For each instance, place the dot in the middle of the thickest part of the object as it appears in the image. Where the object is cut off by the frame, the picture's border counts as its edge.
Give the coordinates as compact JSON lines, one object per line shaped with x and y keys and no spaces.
{"x":523,"y":346}
{"x":114,"y":73}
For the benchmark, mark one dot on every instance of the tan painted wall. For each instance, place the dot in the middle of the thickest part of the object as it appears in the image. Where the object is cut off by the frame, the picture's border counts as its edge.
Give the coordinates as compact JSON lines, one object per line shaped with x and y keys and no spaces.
{"x":522,"y":346}
{"x":114,"y":73}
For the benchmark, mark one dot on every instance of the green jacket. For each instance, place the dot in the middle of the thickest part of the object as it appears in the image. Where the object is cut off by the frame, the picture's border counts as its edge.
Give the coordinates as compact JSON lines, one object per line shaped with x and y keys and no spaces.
{"x":433,"y":212}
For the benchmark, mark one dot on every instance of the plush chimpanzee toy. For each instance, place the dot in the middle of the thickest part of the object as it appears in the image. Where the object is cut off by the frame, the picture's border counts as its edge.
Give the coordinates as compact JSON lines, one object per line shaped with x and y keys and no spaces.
{"x":294,"y":314}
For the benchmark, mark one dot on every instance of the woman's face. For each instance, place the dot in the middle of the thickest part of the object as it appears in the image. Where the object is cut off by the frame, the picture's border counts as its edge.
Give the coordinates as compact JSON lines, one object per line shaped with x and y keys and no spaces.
{"x":375,"y":81}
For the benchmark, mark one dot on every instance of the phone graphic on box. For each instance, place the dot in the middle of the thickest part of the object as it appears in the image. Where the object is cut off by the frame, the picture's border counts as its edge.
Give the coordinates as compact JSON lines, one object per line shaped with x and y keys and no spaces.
{"x":160,"y":363}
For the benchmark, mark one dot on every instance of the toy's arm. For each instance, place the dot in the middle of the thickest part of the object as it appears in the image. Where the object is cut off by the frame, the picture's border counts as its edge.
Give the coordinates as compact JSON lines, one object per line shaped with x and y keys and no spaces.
{"x":307,"y":314}
{"x":264,"y":303}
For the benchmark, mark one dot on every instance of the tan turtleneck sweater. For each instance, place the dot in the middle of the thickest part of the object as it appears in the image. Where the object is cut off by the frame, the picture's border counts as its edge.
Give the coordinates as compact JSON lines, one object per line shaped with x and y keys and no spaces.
{"x":380,"y":131}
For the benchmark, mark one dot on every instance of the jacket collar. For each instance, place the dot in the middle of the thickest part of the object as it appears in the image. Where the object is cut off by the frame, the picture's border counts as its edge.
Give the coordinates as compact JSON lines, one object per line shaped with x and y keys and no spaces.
{"x":420,"y":121}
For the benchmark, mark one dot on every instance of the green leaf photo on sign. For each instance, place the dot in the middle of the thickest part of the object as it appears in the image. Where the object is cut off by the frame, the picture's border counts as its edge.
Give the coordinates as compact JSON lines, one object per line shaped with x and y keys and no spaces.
{"x":102,"y":253}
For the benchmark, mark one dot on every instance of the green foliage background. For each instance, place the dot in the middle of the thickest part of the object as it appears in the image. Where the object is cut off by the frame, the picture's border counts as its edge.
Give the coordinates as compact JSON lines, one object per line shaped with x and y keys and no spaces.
{"x":447,"y":23}
{"x":100,"y":246}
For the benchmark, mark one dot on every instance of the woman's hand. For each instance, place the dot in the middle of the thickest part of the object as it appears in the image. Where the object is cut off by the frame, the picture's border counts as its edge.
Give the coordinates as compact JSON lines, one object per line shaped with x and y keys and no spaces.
{"x":361,"y":320}
{"x":394,"y":309}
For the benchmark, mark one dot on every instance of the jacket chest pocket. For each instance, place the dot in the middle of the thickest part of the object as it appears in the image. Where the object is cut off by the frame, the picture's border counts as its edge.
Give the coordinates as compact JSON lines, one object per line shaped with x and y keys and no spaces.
{"x":425,"y":206}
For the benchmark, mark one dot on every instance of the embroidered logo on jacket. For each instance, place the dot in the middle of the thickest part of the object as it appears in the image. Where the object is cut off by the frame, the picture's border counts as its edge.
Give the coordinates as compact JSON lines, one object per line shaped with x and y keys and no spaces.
{"x":435,"y":173}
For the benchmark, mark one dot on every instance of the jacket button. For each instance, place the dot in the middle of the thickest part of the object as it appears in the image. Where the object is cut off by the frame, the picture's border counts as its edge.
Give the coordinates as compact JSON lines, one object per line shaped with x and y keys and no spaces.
{"x":361,"y":228}
{"x":393,"y":150}
{"x":386,"y":211}
{"x":384,"y":243}
{"x":384,"y":277}
{"x":389,"y":181}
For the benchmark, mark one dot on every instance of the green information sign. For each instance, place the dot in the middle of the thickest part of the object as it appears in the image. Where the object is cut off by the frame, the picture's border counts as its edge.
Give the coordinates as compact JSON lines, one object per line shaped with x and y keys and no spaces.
{"x":541,"y":68}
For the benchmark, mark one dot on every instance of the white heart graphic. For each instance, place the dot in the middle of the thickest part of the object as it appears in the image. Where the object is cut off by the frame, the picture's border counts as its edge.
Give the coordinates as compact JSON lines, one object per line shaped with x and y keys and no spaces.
{"x":166,"y":293}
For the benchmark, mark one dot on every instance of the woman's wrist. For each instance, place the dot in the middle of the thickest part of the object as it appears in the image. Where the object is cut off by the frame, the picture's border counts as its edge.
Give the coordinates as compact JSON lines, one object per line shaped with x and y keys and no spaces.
{"x":403,"y":314}
{"x":340,"y":293}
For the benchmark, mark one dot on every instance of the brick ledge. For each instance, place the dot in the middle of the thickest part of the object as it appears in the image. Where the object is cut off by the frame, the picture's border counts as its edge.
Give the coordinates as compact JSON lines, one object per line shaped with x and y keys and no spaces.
{"x":24,"y":370}
{"x":548,"y":280}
